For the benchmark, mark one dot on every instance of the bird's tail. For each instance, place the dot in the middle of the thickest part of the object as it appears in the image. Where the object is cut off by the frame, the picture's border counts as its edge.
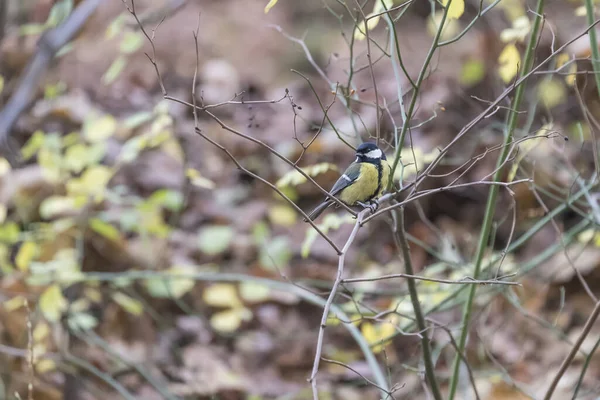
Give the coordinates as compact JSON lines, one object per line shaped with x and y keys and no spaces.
{"x":314,"y":214}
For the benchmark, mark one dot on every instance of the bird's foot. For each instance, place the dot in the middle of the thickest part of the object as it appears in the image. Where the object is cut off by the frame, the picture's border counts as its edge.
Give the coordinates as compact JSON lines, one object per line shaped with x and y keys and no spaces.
{"x":372,"y":205}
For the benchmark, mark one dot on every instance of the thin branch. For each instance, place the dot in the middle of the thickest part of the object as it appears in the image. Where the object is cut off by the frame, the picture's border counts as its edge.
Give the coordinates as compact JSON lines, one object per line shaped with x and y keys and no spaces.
{"x":567,"y":361}
{"x":326,"y":309}
{"x":48,"y":45}
{"x":402,"y":244}
{"x":463,"y":281}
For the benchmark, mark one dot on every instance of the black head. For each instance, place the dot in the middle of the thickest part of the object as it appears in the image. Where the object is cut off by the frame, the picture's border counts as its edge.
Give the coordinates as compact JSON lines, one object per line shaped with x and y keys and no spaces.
{"x":369,"y":152}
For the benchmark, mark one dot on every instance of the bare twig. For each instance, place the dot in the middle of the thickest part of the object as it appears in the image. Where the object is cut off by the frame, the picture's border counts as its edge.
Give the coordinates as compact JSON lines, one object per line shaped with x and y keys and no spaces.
{"x":338,"y":280}
{"x":389,"y":394}
{"x":463,"y":281}
{"x":567,"y":361}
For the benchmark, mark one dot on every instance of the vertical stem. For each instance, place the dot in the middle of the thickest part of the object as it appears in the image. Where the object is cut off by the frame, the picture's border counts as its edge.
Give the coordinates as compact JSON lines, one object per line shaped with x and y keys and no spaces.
{"x":402,"y":243}
{"x":413,"y":100}
{"x":589,"y":8}
{"x":493,"y":194}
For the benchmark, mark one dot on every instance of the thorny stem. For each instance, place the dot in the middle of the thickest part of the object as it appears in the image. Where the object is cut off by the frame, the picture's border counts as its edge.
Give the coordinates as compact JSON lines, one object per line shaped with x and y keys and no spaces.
{"x":402,"y":244}
{"x":493,"y":193}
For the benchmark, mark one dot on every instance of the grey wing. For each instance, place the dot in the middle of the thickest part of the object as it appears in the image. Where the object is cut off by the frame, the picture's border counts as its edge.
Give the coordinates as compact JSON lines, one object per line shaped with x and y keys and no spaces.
{"x":348,"y":178}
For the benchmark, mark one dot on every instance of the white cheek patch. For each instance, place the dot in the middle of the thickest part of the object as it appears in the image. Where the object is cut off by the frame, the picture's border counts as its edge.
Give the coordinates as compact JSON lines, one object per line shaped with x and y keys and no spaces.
{"x":374,"y":154}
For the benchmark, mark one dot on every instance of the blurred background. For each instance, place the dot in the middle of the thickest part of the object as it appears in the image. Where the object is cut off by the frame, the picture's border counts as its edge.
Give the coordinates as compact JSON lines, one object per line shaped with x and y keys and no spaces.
{"x":138,"y":260}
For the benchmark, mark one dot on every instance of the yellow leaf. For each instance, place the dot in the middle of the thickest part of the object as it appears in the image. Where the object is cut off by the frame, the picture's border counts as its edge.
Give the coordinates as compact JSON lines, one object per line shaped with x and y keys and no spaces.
{"x":92,"y":182}
{"x":222,"y":295}
{"x":41,"y":331}
{"x":375,"y":333}
{"x":105,"y":229}
{"x":14,"y":304}
{"x":3,"y":213}
{"x":226,"y":321}
{"x":80,"y":305}
{"x":513,"y":9}
{"x":580,"y":11}
{"x":561,"y":60}
{"x":282,"y":215}
{"x":128,"y":303}
{"x":509,"y":61}
{"x":451,"y":26}
{"x":456,"y":10}
{"x":57,"y":205}
{"x":253,"y":292}
{"x":45,"y":365}
{"x":270,"y":5}
{"x":198,"y":180}
{"x":50,"y":161}
{"x":52,"y":303}
{"x":100,"y":128}
{"x":372,"y":19}
{"x":79,"y":155}
{"x":27,"y":253}
{"x":551,"y":92}
{"x":519,"y":31}
{"x":230,"y":320}
{"x":93,"y":294}
{"x":294,"y":178}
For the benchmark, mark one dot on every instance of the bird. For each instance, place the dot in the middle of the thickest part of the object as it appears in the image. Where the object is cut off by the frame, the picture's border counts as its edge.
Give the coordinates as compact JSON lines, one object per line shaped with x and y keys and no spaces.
{"x":363,"y":181}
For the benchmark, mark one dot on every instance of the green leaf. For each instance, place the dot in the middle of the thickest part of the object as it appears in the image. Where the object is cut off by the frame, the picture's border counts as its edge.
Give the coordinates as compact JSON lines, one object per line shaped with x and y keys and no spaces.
{"x":137,"y":119}
{"x":82,"y":321}
{"x":473,"y":71}
{"x":253,"y":292}
{"x":33,"y":145}
{"x":260,"y":232}
{"x":32,"y":29}
{"x":115,"y":69}
{"x":172,"y":200}
{"x":59,"y":12}
{"x":131,"y":42}
{"x":173,"y":285}
{"x":9,"y":232}
{"x":80,"y":155}
{"x":275,"y":253}
{"x":104,"y":229}
{"x":215,"y":239}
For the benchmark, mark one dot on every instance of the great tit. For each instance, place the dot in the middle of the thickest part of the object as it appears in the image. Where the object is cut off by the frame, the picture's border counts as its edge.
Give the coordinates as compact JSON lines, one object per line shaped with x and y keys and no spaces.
{"x":363,"y":181}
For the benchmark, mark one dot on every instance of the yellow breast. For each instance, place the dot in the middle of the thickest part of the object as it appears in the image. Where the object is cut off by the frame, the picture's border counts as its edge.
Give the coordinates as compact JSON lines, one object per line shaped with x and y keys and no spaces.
{"x":364,"y":188}
{"x":385,"y":176}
